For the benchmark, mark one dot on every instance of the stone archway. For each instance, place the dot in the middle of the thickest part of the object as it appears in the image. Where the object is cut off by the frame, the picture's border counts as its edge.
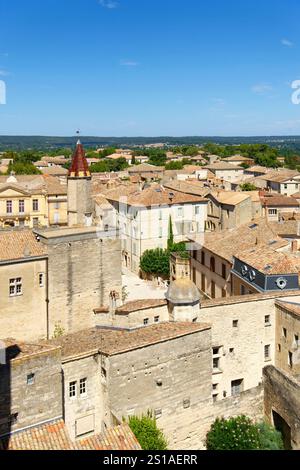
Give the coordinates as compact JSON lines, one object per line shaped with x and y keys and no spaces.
{"x":282,"y":426}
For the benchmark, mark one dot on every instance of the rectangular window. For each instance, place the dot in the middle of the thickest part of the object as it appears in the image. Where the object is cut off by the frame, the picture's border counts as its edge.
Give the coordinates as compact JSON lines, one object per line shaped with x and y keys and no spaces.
{"x":35,"y":221}
{"x":223,"y":271}
{"x":72,"y":389}
{"x":216,"y":363}
{"x":216,"y":351}
{"x":156,"y":319}
{"x":213,"y":290}
{"x":41,"y":280}
{"x":57,"y":205}
{"x":203,"y":258}
{"x":215,"y":397}
{"x":290,"y":359}
{"x":236,"y":387}
{"x":197,"y":210}
{"x":9,"y":207}
{"x":272,"y":211}
{"x":15,"y":287}
{"x":160,"y":215}
{"x":146,"y":321}
{"x":267,"y":352}
{"x":284,"y":332}
{"x":267,"y":320}
{"x":279,"y":347}
{"x":160,"y":232}
{"x":30,"y":379}
{"x":82,"y":386}
{"x":235,"y":323}
{"x":35,"y":205}
{"x":180,"y":211}
{"x":21,"y":207}
{"x":296,"y":339}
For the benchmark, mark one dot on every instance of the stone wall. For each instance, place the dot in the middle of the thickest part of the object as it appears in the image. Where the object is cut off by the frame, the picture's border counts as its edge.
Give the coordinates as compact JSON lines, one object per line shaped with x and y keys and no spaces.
{"x":241,"y":333}
{"x":190,"y":426}
{"x":282,"y":396}
{"x":82,"y":273}
{"x":172,"y":378}
{"x":24,"y":317}
{"x":84,"y":407}
{"x":29,"y":404}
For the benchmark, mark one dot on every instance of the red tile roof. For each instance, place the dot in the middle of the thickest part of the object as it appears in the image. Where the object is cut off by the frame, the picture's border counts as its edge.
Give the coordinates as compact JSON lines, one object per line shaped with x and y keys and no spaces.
{"x":79,"y":167}
{"x":54,"y":436}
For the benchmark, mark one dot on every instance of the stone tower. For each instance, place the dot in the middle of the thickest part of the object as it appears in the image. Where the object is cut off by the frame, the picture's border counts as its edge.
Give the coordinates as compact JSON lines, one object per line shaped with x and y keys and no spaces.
{"x":80,"y":203}
{"x":183,"y":300}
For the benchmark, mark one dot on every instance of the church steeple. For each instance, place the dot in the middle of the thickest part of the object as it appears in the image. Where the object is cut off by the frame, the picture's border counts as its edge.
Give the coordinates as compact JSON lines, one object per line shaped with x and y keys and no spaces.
{"x":79,"y":167}
{"x":80,"y":201}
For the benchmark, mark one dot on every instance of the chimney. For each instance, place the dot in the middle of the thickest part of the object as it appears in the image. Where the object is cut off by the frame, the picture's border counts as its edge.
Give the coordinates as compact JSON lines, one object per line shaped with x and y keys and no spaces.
{"x":294,"y":246}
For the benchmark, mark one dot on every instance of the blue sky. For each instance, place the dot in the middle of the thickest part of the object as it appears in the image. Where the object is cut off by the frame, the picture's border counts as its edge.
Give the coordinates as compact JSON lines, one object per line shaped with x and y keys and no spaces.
{"x":149,"y":67}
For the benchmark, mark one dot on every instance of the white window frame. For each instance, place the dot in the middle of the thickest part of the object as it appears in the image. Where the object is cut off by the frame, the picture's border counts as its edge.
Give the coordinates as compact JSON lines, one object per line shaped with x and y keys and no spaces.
{"x":83,"y":387}
{"x":73,"y":389}
{"x":15,"y":287}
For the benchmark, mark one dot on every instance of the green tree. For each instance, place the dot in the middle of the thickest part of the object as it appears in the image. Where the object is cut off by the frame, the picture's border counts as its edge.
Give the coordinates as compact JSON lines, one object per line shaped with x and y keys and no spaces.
{"x":248,"y":187}
{"x":156,"y":262}
{"x":269,"y":437}
{"x":174,"y":165}
{"x":233,"y":434}
{"x":147,"y":433}
{"x":170,"y":234}
{"x":20,"y":168}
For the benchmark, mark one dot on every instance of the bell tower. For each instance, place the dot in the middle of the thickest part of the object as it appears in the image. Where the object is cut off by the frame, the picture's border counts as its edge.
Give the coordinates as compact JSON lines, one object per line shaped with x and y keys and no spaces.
{"x":80,"y":203}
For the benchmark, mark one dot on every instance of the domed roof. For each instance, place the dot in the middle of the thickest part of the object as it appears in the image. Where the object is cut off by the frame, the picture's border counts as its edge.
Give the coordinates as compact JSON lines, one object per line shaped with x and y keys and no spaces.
{"x":183,"y":291}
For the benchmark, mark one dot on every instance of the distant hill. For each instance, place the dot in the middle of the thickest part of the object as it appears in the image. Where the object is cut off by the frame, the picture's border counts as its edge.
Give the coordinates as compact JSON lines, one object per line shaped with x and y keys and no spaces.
{"x":48,"y":143}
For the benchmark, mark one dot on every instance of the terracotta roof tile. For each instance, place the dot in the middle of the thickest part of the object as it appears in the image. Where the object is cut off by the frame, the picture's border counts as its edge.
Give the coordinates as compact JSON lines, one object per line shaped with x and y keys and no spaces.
{"x":79,"y":166}
{"x":54,"y":436}
{"x":137,"y":305}
{"x":112,"y":341}
{"x":19,"y":244}
{"x":155,"y":195}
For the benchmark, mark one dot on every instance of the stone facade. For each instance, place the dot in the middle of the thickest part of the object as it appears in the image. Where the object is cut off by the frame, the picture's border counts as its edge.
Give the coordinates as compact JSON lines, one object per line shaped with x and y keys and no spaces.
{"x":24,"y":316}
{"x":30,"y":387}
{"x":80,"y":202}
{"x":83,"y":269}
{"x":282,"y":404}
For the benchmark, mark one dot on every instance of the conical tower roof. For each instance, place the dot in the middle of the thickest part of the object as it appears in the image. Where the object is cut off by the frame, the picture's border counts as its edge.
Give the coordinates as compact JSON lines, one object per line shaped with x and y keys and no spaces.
{"x":79,"y":167}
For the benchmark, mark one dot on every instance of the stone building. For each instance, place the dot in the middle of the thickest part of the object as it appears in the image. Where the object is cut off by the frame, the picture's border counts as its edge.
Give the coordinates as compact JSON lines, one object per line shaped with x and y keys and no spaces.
{"x":228,"y":210}
{"x":143,"y":218}
{"x":212,"y":259}
{"x":187,"y":372}
{"x":53,"y":279}
{"x":32,"y":201}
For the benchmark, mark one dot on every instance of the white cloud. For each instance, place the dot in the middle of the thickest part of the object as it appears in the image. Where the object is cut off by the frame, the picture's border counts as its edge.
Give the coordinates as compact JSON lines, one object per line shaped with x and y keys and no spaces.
{"x":129,"y":63}
{"x":219,"y":101}
{"x":287,"y":42}
{"x":3,"y":73}
{"x":110,"y":4}
{"x":261,"y":88}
